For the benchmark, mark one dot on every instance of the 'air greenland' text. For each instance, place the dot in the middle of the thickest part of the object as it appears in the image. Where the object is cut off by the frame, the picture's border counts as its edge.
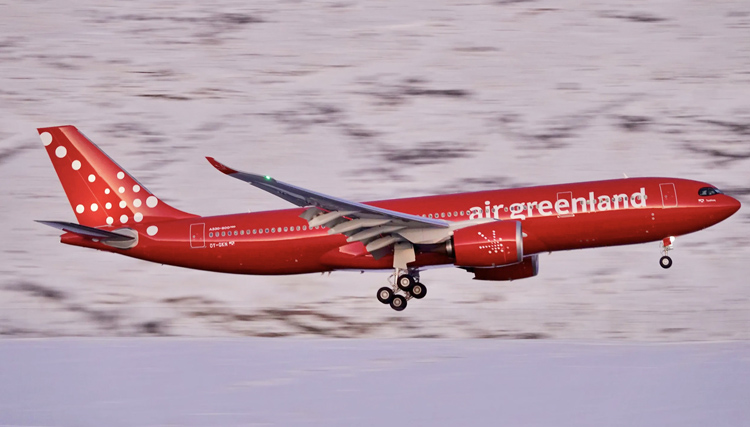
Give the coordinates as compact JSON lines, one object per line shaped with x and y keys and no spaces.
{"x":562,"y":206}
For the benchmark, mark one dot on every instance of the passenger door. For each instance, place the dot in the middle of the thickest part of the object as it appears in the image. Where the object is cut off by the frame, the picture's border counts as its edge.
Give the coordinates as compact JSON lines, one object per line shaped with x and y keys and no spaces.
{"x":668,"y":195}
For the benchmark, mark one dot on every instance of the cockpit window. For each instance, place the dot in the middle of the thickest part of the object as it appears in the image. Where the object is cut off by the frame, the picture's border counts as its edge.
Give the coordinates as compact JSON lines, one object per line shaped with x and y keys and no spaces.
{"x":708,"y":191}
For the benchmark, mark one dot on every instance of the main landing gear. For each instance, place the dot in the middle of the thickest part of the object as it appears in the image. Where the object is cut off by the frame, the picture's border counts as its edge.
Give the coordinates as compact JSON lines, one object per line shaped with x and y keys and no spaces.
{"x":402,"y":281}
{"x":666,"y":245}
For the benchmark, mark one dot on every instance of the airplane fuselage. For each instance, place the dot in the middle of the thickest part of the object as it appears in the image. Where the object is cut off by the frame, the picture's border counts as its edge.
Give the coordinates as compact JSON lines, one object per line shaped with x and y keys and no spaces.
{"x":554,"y":218}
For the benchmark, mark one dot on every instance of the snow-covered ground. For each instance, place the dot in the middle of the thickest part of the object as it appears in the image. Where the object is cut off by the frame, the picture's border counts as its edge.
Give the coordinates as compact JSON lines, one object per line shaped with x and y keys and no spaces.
{"x":299,"y":382}
{"x":368,"y":100}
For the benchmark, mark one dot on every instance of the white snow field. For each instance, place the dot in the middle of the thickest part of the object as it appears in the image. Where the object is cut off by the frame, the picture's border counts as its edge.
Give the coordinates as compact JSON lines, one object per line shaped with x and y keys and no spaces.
{"x":300,"y":382}
{"x":369,"y":100}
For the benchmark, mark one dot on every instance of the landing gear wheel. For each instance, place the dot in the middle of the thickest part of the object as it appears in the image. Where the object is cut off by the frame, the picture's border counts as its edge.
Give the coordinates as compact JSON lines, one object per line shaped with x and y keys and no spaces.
{"x":385,"y":295}
{"x":405,"y":282}
{"x":398,"y":303}
{"x":665,"y":262}
{"x":418,"y":291}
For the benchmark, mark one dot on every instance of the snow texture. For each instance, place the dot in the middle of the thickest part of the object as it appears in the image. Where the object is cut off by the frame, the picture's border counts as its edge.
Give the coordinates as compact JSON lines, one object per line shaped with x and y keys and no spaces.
{"x":368,"y":100}
{"x":298,"y":382}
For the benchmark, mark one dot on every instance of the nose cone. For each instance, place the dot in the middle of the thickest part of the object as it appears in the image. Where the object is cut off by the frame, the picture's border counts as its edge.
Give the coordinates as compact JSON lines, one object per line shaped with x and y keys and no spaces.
{"x":732,"y":206}
{"x":717,"y":212}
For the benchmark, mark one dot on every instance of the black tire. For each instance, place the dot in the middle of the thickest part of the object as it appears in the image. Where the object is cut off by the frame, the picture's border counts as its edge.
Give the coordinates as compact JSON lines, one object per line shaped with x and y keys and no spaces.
{"x":418,"y":291}
{"x":665,"y":262}
{"x":405,"y":282}
{"x":398,"y":303}
{"x":385,"y":295}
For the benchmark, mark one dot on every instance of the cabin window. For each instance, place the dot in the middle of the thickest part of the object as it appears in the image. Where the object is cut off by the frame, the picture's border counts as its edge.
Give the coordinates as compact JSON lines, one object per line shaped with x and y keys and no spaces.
{"x":223,"y":233}
{"x":430,"y":215}
{"x":211,"y":234}
{"x":462,"y":213}
{"x":236,"y":233}
{"x":449,"y":214}
{"x":304,"y":227}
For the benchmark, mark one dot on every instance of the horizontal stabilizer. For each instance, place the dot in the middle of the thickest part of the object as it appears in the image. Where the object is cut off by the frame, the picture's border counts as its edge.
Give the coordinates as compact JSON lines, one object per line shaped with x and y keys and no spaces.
{"x":87,"y":231}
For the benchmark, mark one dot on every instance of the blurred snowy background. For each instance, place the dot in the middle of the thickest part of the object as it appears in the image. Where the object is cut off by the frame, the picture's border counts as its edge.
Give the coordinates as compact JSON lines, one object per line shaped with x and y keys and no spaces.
{"x":371,"y":100}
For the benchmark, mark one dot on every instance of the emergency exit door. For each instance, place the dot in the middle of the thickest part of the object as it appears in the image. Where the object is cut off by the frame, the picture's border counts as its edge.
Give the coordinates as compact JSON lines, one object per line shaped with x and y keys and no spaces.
{"x":198,"y":235}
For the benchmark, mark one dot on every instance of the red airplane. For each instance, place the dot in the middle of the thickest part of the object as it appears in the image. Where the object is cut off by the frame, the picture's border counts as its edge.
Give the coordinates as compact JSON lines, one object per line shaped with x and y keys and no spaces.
{"x":496,"y":235}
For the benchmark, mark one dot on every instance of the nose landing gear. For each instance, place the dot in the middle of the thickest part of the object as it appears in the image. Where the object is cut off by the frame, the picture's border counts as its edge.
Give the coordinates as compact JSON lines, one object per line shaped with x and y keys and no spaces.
{"x":666,"y":245}
{"x":402,"y":281}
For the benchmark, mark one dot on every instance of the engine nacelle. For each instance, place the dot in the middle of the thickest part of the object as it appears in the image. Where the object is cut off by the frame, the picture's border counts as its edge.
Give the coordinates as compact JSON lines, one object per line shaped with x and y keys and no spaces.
{"x":529,"y":267}
{"x":488,"y":245}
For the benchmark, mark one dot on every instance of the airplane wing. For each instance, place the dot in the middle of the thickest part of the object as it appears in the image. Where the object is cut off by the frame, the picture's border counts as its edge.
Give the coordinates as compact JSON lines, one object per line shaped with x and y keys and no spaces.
{"x":377,"y":228}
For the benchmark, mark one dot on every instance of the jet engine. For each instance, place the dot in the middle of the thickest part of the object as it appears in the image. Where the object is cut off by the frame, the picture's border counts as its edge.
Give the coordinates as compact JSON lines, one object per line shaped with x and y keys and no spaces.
{"x":529,"y":267}
{"x":487,"y":245}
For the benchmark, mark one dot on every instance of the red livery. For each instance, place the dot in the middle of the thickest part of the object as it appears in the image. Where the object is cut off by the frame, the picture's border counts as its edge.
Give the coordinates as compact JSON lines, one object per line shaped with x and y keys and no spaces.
{"x":496,"y":235}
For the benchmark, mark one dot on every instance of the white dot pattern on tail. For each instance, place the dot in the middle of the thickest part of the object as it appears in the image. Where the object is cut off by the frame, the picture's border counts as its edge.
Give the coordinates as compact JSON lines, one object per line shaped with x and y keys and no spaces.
{"x":79,"y":209}
{"x":94,"y":207}
{"x":61,"y":151}
{"x":152,"y":230}
{"x":110,"y":220}
{"x":124,"y":219}
{"x":152,"y":201}
{"x":120,"y":175}
{"x":76,"y":165}
{"x":138,"y":217}
{"x":92,"y":178}
{"x":46,"y":138}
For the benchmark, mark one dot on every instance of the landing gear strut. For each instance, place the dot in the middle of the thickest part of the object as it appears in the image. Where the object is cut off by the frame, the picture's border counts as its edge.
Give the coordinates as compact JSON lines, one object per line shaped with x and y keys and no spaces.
{"x":666,"y":245}
{"x":402,"y":281}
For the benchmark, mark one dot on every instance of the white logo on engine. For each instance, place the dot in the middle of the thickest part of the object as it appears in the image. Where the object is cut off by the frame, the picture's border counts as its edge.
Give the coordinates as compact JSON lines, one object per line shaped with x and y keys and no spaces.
{"x":493,"y":245}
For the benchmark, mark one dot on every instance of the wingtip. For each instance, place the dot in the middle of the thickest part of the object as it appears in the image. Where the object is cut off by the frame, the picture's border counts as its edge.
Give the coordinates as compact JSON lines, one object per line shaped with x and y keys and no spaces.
{"x":220,"y":167}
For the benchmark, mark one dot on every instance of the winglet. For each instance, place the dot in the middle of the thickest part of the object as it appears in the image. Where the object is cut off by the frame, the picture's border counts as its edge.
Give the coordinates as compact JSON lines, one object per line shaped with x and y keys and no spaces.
{"x":220,"y":167}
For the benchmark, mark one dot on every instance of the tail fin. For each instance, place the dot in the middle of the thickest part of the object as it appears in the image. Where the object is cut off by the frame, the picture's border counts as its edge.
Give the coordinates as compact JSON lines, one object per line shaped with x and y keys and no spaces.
{"x":99,"y":190}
